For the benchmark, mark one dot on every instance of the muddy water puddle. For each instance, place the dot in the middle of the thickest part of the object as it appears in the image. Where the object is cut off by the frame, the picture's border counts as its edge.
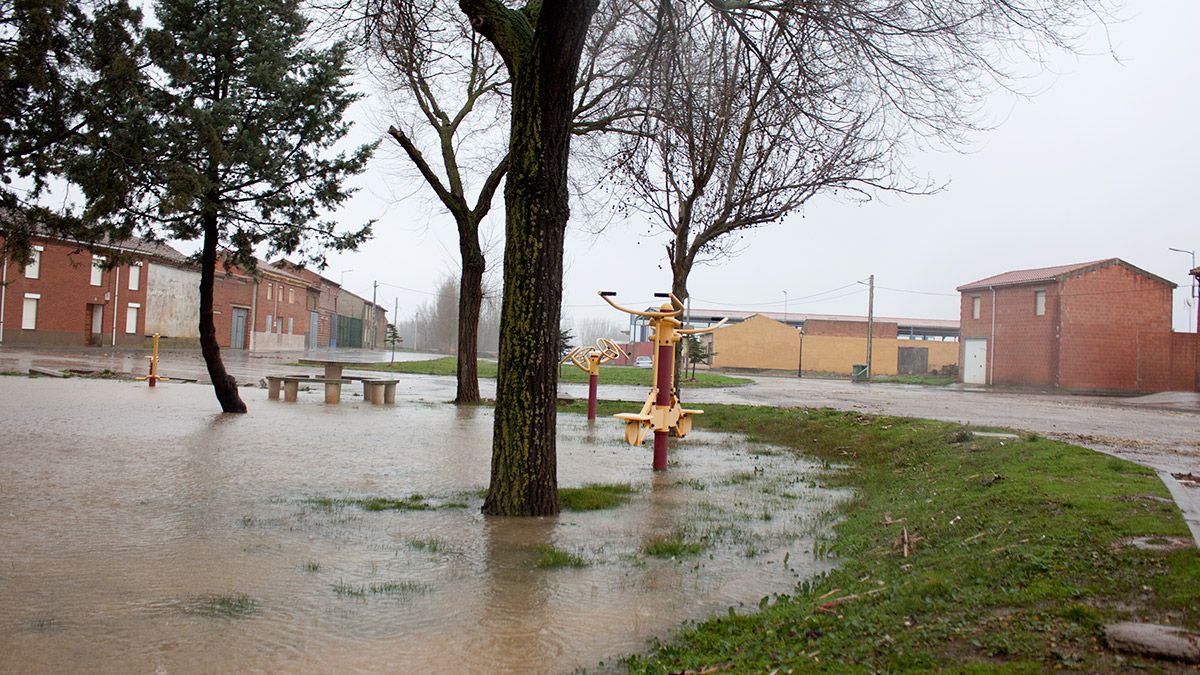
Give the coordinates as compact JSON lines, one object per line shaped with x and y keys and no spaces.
{"x":139,"y":532}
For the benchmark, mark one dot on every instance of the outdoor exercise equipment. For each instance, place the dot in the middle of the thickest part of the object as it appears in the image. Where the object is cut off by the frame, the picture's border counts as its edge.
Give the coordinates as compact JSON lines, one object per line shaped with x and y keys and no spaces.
{"x":662,"y":411}
{"x":588,"y":359}
{"x":153,"y":376}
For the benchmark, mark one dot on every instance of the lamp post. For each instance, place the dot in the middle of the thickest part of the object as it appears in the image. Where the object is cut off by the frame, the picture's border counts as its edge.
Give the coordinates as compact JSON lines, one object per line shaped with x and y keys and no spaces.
{"x":1193,"y":294}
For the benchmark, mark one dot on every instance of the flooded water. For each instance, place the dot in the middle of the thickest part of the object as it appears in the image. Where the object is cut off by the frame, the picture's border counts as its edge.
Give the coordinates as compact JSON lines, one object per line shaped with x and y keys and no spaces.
{"x":140,"y":532}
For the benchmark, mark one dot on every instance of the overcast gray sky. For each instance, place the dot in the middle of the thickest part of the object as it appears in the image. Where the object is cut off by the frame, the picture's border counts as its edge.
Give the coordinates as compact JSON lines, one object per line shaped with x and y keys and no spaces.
{"x":1101,"y":163}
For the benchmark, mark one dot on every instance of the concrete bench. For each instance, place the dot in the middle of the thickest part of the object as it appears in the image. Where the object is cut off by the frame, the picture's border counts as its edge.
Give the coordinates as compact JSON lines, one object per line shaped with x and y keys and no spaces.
{"x":275,"y":382}
{"x":379,"y":391}
{"x":333,"y":387}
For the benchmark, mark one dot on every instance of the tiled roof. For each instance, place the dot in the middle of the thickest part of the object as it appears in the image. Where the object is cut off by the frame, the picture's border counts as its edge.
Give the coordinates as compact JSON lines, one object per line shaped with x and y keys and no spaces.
{"x":1057,"y":273}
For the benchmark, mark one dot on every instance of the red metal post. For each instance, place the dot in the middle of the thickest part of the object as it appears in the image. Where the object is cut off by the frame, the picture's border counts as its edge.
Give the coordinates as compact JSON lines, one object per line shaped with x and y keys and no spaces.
{"x":592,"y":378}
{"x":666,"y":367}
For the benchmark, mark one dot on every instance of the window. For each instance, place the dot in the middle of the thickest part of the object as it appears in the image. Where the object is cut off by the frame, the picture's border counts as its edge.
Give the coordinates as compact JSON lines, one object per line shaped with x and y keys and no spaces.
{"x":291,"y":296}
{"x":269,"y":324}
{"x":976,"y":303}
{"x":131,"y":318}
{"x":269,"y":286}
{"x":97,"y":270}
{"x":135,"y":276}
{"x":289,"y":325}
{"x":29,"y":311}
{"x":34,"y":268}
{"x":1039,"y":303}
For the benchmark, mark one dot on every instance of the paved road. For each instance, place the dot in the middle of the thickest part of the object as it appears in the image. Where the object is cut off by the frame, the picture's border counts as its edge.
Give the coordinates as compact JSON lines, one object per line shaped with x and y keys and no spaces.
{"x":1161,"y":431}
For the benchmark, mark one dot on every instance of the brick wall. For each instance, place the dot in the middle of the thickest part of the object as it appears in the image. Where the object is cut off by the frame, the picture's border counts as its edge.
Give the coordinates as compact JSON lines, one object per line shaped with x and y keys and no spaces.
{"x":287,"y":307}
{"x":1103,"y":316}
{"x":66,"y":299}
{"x":231,"y":290}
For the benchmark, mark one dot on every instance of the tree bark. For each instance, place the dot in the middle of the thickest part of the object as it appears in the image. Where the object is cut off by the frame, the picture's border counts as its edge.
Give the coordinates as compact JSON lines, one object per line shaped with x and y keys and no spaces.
{"x":470,"y":302}
{"x":223,"y":383}
{"x":680,"y":269}
{"x":543,"y":64}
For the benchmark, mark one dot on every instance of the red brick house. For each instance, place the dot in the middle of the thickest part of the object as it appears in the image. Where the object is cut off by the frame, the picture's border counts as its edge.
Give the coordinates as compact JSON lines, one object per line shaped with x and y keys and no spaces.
{"x":67,"y":295}
{"x":1102,"y":325}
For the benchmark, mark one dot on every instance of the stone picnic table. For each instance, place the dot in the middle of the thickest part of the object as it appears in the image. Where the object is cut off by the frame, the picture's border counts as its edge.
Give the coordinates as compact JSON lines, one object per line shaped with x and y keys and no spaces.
{"x":378,"y":391}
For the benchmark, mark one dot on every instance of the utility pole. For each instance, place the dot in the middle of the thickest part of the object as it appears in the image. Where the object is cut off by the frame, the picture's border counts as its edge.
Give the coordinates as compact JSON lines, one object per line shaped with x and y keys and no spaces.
{"x":870,"y":319}
{"x":395,"y":328}
{"x":374,"y":312}
{"x":785,"y":307}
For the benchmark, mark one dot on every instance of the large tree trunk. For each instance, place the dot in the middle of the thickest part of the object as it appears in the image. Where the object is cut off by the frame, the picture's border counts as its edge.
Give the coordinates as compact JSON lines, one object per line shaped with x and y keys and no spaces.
{"x":223,"y":383}
{"x":470,"y":302}
{"x":524,"y":479}
{"x":679,"y":274}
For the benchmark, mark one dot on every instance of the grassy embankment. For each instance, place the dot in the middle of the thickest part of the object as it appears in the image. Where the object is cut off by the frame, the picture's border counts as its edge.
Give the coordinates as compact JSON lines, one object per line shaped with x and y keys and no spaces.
{"x":568,"y":373}
{"x":1016,"y":555}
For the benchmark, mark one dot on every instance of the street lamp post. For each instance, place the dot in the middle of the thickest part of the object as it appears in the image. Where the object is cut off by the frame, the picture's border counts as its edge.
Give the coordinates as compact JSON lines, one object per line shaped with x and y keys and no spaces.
{"x":1193,"y":295}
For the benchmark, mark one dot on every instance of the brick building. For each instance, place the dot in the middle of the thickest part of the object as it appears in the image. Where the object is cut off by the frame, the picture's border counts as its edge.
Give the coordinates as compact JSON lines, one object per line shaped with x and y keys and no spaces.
{"x":1102,"y":325}
{"x":70,"y":295}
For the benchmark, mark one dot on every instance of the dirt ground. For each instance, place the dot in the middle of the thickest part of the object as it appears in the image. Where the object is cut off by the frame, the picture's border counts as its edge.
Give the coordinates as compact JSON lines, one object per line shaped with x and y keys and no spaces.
{"x":1161,"y":431}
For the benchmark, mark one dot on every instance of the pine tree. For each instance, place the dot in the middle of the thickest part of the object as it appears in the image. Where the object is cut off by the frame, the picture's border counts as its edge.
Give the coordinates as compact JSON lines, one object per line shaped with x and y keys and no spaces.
{"x":246,"y":114}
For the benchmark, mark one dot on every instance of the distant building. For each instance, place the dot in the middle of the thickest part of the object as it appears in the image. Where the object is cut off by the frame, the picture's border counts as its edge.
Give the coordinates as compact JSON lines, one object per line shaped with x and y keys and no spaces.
{"x":68,"y":295}
{"x":1101,"y":325}
{"x":834,"y":345}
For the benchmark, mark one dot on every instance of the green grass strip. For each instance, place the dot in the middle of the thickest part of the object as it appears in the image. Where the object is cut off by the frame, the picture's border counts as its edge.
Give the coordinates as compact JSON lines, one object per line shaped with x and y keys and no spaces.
{"x":1017,"y":555}
{"x":595,"y":496}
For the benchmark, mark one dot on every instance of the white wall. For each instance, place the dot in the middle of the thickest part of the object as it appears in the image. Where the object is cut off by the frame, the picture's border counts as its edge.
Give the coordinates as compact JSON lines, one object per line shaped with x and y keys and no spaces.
{"x":278,"y":342}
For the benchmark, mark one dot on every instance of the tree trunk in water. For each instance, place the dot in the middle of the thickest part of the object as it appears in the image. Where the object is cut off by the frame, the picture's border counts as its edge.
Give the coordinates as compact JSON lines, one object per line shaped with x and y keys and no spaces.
{"x":470,"y":301}
{"x":524,"y":480}
{"x":223,"y":383}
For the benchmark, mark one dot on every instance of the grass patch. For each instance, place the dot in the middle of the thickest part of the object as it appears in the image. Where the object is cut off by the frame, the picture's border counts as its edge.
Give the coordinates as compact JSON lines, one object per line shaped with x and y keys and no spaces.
{"x":346,"y":590}
{"x":595,"y":496}
{"x":1015,"y":556}
{"x":234,"y":605}
{"x":927,"y":380}
{"x":674,"y":545}
{"x":409,"y":503}
{"x":428,"y":545}
{"x":447,"y":366}
{"x":312,"y":567}
{"x":550,"y":558}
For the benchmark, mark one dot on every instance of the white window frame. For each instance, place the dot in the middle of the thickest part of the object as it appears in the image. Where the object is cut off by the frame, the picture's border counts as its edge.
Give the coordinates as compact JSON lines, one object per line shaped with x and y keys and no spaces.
{"x":269,"y":286}
{"x":34,"y":269}
{"x":976,"y":304}
{"x":98,"y":270}
{"x":289,"y":325}
{"x":1039,"y":302}
{"x":131,"y":312}
{"x":29,"y":319}
{"x":291,"y":296}
{"x":270,"y":324}
{"x":135,"y":276}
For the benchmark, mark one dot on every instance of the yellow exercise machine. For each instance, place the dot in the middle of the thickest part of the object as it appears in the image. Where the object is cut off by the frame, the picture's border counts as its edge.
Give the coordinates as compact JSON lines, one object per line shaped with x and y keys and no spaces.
{"x":153,"y":376}
{"x":662,"y":411}
{"x":588,"y":359}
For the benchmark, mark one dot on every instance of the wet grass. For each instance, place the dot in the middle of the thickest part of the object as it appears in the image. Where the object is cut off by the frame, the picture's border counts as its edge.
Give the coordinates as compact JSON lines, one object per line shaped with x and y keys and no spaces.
{"x":1015,"y":554}
{"x":235,"y":605}
{"x":312,"y":567}
{"x":674,"y":545}
{"x":927,"y":380}
{"x":595,"y":496}
{"x":410,"y":503}
{"x":428,"y":545}
{"x":447,"y":366}
{"x":346,"y":590}
{"x":550,"y":557}
{"x":1015,"y":557}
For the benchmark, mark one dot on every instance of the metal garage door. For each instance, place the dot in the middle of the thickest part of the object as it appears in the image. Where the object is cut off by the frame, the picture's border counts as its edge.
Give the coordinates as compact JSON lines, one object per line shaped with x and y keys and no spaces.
{"x":975,"y":361}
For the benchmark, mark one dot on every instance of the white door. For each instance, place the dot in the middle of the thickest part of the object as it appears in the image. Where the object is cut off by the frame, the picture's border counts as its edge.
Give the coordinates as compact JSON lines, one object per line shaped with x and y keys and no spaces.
{"x":975,"y":361}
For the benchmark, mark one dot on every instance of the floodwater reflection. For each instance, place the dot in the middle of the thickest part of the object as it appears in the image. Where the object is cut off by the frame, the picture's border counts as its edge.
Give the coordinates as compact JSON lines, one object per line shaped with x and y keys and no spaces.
{"x":140,"y":532}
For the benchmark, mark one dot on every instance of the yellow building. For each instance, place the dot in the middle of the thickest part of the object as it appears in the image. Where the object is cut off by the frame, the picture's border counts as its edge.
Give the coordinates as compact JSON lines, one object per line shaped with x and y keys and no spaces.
{"x":826,"y":346}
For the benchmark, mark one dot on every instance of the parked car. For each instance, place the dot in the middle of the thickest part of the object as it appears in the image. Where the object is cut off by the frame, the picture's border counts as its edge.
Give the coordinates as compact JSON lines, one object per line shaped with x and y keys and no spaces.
{"x":643,"y":362}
